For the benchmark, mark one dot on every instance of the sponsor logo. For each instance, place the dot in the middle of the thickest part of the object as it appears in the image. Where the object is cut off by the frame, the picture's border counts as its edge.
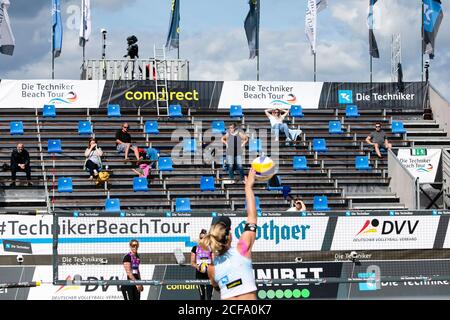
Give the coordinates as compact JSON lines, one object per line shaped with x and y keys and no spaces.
{"x":369,"y":285}
{"x":388,"y":227}
{"x":426,"y":169}
{"x":72,"y":284}
{"x":224,"y":280}
{"x":345,"y":96}
{"x":69,"y":98}
{"x":162,"y":96}
{"x":181,"y":287}
{"x":271,"y":232}
{"x":290,"y":100}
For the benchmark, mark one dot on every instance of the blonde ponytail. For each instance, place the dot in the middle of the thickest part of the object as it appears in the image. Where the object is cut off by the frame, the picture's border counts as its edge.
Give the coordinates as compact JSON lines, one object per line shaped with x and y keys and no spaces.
{"x":215,"y":240}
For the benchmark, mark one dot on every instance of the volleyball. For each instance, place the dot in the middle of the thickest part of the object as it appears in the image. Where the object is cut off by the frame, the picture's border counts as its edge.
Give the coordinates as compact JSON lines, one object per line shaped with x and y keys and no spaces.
{"x":264,"y":167}
{"x":202,"y":267}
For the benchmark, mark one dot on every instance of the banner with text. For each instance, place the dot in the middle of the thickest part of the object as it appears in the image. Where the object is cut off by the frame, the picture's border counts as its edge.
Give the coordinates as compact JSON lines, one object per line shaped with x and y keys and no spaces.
{"x":16,"y":94}
{"x":422,"y":163}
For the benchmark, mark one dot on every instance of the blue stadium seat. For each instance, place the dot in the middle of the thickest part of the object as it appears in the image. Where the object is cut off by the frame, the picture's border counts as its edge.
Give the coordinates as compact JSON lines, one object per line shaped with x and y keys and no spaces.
{"x":49,"y":111}
{"x":254,"y":145}
{"x":236,"y":111}
{"x":183,"y":205}
{"x":112,"y":205}
{"x":274,"y":184}
{"x":218,"y":126}
{"x":300,"y":163}
{"x":114,"y":111}
{"x":319,"y":145}
{"x":335,"y":127}
{"x":207,"y":183}
{"x":165,"y":164}
{"x":362,"y":163}
{"x":140,"y":184}
{"x":84,"y":127}
{"x":54,"y":146}
{"x":320,"y":203}
{"x":351,"y":111}
{"x":16,"y":128}
{"x":175,"y":111}
{"x":152,"y":154}
{"x":190,"y":145}
{"x":397,"y":127}
{"x":65,"y":185}
{"x":257,"y":204}
{"x":297,"y":112}
{"x":151,"y":127}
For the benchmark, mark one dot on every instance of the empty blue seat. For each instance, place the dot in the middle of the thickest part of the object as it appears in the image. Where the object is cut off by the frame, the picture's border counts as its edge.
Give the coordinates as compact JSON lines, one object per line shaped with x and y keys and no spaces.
{"x":274,"y":184}
{"x":175,"y":111}
{"x":319,"y":145}
{"x":254,"y":145}
{"x":397,"y":127}
{"x":362,"y":163}
{"x":165,"y":164}
{"x":49,"y":111}
{"x":236,"y":111}
{"x":140,"y":184}
{"x":152,"y":154}
{"x":335,"y":127}
{"x":114,"y":111}
{"x":300,"y":163}
{"x":65,"y":185}
{"x":218,"y":126}
{"x":351,"y":111}
{"x":112,"y":205}
{"x":183,"y":205}
{"x":257,"y":204}
{"x":151,"y":127}
{"x":207,"y":183}
{"x":16,"y":128}
{"x":84,"y":127}
{"x":297,"y":112}
{"x":320,"y":203}
{"x":54,"y":146}
{"x":190,"y":145}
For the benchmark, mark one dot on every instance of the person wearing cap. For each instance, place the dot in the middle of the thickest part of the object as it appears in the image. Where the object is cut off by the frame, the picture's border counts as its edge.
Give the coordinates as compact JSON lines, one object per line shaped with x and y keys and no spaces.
{"x":231,"y":271}
{"x":199,"y":256}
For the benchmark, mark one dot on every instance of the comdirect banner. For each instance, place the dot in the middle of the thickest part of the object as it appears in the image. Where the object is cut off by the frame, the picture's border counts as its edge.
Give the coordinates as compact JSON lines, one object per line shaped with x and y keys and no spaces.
{"x":16,"y":94}
{"x":422,"y":163}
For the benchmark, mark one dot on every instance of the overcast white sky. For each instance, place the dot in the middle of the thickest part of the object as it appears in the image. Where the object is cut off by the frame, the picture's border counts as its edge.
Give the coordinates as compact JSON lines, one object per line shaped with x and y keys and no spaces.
{"x":213,"y":39}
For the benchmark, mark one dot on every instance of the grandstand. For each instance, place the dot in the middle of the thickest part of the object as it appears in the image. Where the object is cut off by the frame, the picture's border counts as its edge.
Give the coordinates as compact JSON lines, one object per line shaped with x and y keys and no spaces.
{"x":331,"y":173}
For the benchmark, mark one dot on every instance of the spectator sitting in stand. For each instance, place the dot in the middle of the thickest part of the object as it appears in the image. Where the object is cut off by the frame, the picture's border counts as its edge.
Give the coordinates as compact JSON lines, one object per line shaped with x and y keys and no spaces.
{"x":378,"y":139}
{"x":123,"y":142}
{"x":142,"y":167}
{"x":93,"y":156}
{"x":20,"y":161}
{"x":299,"y":206}
{"x":276,"y":122}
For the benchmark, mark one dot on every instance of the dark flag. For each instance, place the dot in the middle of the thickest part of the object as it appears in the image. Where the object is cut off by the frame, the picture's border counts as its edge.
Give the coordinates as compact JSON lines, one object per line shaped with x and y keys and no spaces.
{"x":373,"y":47}
{"x":173,"y":38}
{"x":400,"y":85}
{"x":251,"y":26}
{"x":432,"y":18}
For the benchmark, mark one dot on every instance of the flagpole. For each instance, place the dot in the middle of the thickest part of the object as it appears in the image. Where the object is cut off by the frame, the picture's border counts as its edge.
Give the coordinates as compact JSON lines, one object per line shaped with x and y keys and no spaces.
{"x":315,"y":66}
{"x":371,"y":68}
{"x":53,"y":52}
{"x":422,"y":31}
{"x":257,"y":40}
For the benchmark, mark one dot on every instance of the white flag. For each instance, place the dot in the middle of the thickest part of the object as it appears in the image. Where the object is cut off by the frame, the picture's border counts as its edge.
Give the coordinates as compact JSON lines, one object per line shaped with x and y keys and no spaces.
{"x":314,"y":7}
{"x":7,"y":41}
{"x":85,"y":28}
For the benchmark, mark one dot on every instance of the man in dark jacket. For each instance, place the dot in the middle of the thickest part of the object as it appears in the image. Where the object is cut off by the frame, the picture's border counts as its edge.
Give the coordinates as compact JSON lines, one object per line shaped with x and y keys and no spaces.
{"x":20,"y":161}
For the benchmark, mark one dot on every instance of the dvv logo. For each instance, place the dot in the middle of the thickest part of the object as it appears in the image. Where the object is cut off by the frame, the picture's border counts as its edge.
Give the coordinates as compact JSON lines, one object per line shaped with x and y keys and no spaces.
{"x":387,"y":227}
{"x":271,"y":232}
{"x":345,"y":96}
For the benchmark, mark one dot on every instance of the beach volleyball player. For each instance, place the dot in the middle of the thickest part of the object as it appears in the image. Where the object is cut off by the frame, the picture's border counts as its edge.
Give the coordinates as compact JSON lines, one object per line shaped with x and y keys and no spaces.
{"x":231,"y":270}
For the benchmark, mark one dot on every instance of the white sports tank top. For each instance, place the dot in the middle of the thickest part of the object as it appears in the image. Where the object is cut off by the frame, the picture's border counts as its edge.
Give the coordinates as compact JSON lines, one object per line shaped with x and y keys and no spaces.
{"x":234,"y":274}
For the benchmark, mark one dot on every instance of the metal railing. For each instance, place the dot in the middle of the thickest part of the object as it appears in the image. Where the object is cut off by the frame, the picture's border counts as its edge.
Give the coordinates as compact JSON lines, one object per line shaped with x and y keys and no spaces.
{"x":138,"y":69}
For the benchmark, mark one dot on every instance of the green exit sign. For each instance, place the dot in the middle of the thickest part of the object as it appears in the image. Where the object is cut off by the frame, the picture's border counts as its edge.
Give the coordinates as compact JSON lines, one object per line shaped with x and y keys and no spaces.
{"x":419,"y":152}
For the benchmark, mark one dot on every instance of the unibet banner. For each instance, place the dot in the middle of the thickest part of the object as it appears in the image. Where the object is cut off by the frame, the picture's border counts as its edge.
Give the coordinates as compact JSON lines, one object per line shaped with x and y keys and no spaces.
{"x":266,"y":95}
{"x":422,"y":163}
{"x":385,"y":233}
{"x":16,"y":94}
